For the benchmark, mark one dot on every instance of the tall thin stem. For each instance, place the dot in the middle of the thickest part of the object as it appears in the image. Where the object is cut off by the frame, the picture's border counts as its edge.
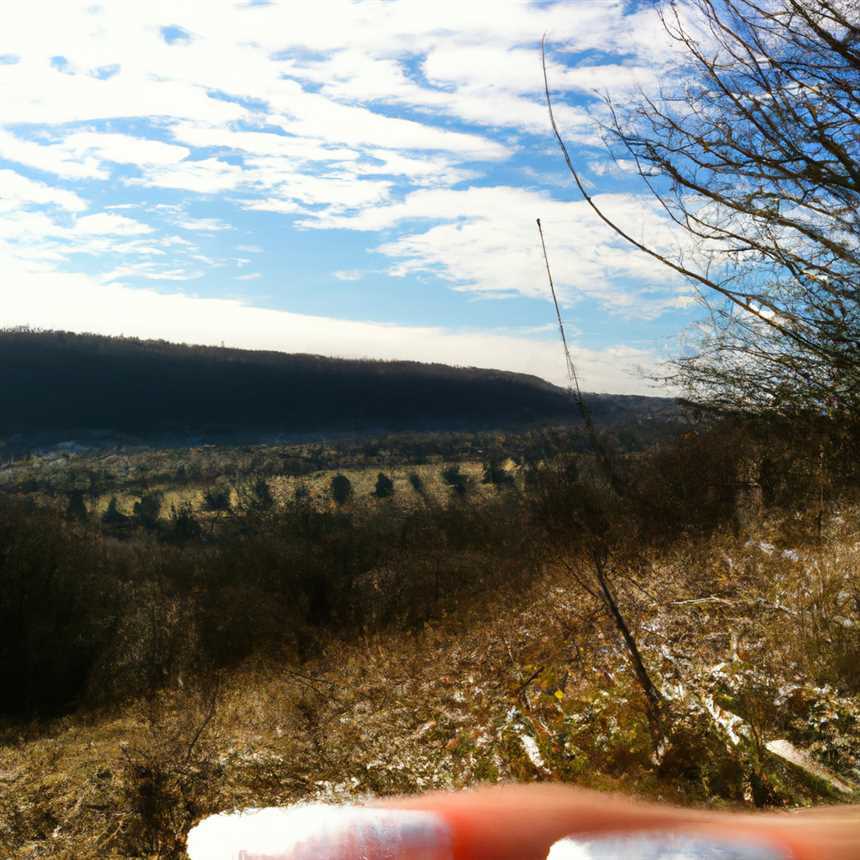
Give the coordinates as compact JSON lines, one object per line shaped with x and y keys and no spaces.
{"x":600,"y":450}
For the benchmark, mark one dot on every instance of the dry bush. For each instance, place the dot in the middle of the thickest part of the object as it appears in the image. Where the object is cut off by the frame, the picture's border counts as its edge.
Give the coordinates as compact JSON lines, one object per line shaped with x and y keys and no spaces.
{"x":171,"y":773}
{"x":820,"y":598}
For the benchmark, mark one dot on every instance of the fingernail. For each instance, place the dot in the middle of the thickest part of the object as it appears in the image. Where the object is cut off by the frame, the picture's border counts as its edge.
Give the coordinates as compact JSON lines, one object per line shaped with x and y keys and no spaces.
{"x":661,"y":846}
{"x":316,"y":831}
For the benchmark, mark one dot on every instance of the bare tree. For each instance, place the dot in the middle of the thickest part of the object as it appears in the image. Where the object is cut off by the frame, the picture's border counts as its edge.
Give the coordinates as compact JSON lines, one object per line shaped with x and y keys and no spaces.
{"x":754,"y":153}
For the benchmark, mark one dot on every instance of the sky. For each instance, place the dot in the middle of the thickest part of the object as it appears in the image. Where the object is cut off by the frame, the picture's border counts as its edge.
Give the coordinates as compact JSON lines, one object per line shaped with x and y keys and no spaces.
{"x":357,"y":178}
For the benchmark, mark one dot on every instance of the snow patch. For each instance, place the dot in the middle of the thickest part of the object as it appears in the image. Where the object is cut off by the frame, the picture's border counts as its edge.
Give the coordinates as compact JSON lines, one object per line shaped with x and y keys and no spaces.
{"x":531,"y":749}
{"x":790,"y":753}
{"x":732,"y":723}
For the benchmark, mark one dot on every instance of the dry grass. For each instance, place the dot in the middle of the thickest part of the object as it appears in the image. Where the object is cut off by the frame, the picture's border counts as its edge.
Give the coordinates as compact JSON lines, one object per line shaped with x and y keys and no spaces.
{"x":530,"y":685}
{"x":283,"y":487}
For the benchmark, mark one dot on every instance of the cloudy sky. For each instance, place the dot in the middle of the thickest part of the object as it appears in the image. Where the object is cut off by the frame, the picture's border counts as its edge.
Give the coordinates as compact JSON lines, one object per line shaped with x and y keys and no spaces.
{"x":345,"y":177}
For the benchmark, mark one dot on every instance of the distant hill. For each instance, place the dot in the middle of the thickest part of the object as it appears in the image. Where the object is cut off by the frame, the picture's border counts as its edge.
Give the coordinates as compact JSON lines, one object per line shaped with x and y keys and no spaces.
{"x":58,"y":385}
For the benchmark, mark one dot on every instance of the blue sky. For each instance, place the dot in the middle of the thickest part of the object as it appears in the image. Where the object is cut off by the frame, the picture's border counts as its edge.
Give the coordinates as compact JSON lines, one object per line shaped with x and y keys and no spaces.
{"x":345,"y":178}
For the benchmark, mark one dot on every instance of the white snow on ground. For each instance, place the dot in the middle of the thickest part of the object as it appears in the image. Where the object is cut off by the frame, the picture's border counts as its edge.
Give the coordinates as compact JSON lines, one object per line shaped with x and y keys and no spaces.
{"x":531,"y":748}
{"x":790,"y":753}
{"x":730,"y":722}
{"x":764,"y":546}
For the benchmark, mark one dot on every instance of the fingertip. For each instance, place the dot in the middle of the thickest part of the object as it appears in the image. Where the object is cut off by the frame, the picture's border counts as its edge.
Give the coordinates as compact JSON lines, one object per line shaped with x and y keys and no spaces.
{"x":522,"y":822}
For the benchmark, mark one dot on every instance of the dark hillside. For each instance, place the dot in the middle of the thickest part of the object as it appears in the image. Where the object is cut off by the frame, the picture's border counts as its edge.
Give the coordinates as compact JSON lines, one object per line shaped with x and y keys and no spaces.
{"x":69,"y":384}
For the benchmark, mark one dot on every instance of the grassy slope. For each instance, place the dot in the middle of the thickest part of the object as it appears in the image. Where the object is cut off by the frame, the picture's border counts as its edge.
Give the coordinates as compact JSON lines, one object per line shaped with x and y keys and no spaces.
{"x":737,"y":620}
{"x":283,"y":488}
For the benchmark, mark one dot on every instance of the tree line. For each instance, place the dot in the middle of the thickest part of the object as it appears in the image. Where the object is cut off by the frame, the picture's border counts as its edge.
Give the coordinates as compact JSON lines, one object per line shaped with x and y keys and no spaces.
{"x":63,"y":382}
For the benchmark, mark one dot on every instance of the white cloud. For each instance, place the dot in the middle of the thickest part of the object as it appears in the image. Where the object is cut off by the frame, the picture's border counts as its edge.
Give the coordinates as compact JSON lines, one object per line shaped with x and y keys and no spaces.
{"x":273,"y":204}
{"x":489,"y":67}
{"x":251,"y":276}
{"x":33,"y":92}
{"x":43,"y":239}
{"x":84,"y":155}
{"x":290,"y":192}
{"x":489,"y":245}
{"x":203,"y":225}
{"x":483,"y":73}
{"x":468,"y":94}
{"x":148,"y":272}
{"x":17,"y":190}
{"x":422,"y":171}
{"x":123,"y":149}
{"x":261,"y":143}
{"x":608,"y":167}
{"x":480,"y":66}
{"x":359,"y":51}
{"x":205,"y":176}
{"x":348,"y":275}
{"x":49,"y":159}
{"x":616,"y":78}
{"x":106,"y":223}
{"x":315,"y":116}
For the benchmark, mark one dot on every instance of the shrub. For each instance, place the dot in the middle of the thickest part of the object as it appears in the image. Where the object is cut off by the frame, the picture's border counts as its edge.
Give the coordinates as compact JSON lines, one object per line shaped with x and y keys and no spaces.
{"x":496,"y":474}
{"x":170,"y":775}
{"x":256,"y":497}
{"x":57,"y":612}
{"x":76,"y":510}
{"x":384,"y":488}
{"x":148,"y":510}
{"x":455,"y":479}
{"x":183,"y":525}
{"x":217,"y":499}
{"x":113,"y":516}
{"x":341,"y":489}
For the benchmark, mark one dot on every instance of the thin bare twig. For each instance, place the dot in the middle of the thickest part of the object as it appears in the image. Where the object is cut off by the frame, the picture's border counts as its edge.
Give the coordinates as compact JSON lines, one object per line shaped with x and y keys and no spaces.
{"x":682,"y":270}
{"x":573,"y":383}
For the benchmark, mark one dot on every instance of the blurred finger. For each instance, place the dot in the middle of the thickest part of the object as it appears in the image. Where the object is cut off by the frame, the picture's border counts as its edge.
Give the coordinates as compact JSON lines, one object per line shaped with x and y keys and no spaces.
{"x":523,"y":822}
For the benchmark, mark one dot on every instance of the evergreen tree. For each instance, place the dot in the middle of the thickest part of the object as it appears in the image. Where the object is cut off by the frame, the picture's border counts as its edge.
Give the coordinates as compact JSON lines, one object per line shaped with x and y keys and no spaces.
{"x":113,"y":516}
{"x":263,"y":494}
{"x":341,"y":489}
{"x":183,"y":525}
{"x":455,"y":479}
{"x":148,"y":509}
{"x":76,"y":510}
{"x":496,"y":474}
{"x":217,"y":499}
{"x":384,"y":488}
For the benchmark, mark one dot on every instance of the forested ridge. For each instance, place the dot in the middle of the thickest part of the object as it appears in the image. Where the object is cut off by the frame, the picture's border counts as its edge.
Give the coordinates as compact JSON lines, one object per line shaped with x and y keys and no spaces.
{"x":69,"y":383}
